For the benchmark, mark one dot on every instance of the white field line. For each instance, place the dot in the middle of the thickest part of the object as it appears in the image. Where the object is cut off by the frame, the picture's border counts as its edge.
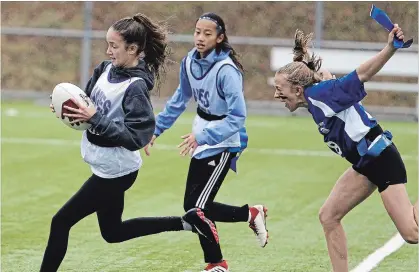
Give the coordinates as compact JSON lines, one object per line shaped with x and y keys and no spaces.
{"x":366,"y":265}
{"x":377,"y":256}
{"x":267,"y":151}
{"x":12,"y":112}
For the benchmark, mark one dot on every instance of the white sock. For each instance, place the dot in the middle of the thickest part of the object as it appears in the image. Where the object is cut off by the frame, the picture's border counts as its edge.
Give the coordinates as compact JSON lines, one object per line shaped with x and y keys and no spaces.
{"x":186,"y":225}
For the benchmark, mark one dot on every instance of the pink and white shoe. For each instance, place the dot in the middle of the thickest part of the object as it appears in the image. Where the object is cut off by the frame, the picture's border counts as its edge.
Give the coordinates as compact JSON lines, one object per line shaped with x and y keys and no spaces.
{"x":217,"y":267}
{"x":257,"y":223}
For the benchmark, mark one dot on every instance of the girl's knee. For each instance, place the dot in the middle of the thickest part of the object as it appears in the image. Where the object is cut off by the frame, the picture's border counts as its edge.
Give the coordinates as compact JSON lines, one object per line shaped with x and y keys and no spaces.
{"x":329,"y":217}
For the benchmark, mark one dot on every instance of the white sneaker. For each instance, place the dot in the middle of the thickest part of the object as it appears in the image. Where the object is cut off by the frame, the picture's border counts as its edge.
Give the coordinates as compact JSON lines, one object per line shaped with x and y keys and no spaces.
{"x":258,"y":223}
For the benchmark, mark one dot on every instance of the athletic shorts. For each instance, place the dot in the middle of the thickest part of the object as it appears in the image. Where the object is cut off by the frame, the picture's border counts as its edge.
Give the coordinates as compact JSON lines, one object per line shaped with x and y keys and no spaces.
{"x":387,"y":169}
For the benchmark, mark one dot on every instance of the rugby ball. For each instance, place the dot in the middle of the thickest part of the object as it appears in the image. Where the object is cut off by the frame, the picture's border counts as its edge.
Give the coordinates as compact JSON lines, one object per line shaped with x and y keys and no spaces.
{"x":61,"y":96}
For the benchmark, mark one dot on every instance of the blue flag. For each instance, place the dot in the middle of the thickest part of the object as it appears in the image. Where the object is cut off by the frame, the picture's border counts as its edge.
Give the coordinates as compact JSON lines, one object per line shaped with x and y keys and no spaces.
{"x":382,"y":18}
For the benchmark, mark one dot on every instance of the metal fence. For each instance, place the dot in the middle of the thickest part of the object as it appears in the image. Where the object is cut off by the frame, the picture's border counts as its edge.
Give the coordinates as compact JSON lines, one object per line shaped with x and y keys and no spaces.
{"x":87,"y":35}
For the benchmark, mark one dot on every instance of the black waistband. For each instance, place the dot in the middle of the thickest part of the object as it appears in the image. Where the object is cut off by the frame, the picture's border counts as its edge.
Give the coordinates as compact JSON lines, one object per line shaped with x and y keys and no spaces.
{"x":374,"y":133}
{"x":209,"y":117}
{"x":99,"y":140}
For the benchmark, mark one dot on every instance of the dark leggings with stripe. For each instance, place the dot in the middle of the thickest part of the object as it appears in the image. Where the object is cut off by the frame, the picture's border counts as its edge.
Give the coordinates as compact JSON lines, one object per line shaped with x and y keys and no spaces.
{"x":106,"y":198}
{"x":205,"y":177}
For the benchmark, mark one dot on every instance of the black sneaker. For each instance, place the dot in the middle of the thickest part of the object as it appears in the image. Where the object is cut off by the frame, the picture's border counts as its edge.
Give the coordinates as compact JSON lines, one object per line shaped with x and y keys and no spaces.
{"x":200,"y":224}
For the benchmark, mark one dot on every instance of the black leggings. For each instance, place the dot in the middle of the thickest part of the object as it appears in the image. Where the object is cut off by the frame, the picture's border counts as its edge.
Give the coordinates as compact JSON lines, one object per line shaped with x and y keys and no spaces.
{"x":205,"y":178}
{"x":106,"y":198}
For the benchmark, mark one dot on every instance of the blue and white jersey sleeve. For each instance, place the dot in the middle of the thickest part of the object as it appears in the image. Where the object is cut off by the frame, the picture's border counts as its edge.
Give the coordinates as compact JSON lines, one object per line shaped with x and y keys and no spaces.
{"x":230,"y":84}
{"x":176,"y":104}
{"x":336,"y":95}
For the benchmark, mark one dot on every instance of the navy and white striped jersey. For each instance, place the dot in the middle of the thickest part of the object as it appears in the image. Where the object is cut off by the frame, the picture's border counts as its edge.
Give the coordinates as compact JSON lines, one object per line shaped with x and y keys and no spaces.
{"x":337,"y":110}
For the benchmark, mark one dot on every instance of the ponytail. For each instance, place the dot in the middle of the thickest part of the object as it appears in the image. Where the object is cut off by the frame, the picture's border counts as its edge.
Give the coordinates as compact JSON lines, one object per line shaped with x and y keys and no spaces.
{"x":304,"y":69}
{"x":225,"y":46}
{"x":155,"y":44}
{"x":150,"y":38}
{"x":300,"y":51}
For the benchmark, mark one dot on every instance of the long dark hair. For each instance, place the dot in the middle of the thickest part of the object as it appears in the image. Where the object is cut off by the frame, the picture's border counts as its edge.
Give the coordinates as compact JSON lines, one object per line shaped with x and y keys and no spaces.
{"x":224,"y":45}
{"x":150,"y":37}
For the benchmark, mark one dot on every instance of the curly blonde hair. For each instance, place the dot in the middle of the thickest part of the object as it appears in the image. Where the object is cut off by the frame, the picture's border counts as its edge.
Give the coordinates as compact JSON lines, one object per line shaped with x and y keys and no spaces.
{"x":304,"y":68}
